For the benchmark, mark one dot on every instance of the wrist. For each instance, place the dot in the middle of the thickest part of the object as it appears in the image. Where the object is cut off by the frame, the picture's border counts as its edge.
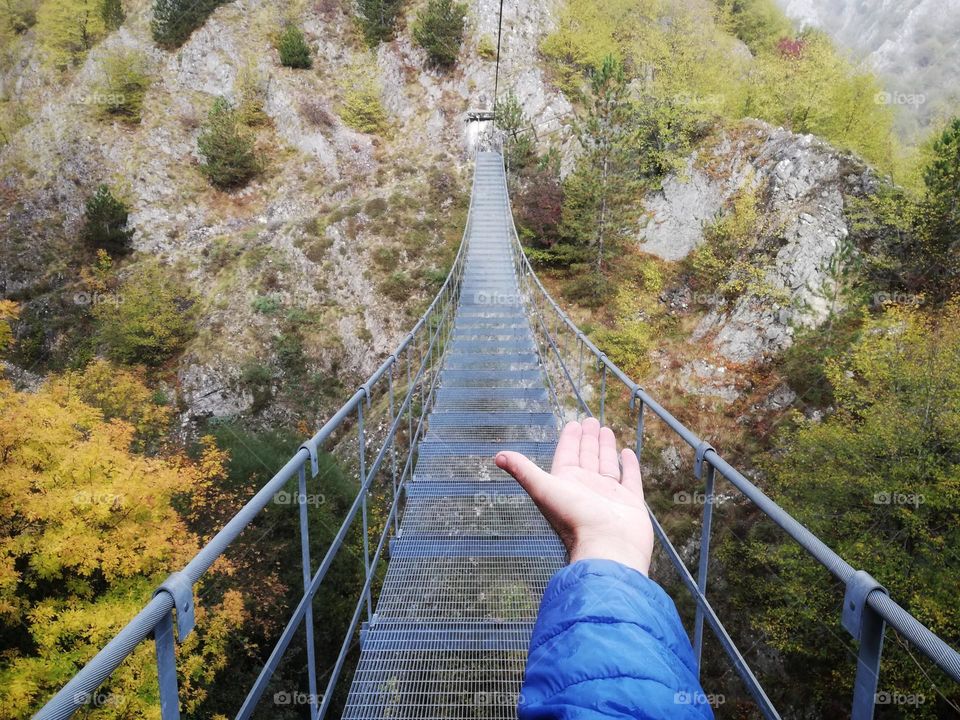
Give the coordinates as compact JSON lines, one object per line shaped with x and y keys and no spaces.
{"x":619,"y":551}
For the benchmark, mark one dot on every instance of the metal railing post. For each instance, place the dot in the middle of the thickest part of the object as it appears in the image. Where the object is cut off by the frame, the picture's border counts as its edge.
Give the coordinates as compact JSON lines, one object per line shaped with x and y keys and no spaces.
{"x":307,"y":575}
{"x":603,"y":387}
{"x":640,"y":408}
{"x":580,"y":375}
{"x":867,"y":627}
{"x":393,"y":446}
{"x":167,"y":669}
{"x":704,"y":565}
{"x":361,"y":443}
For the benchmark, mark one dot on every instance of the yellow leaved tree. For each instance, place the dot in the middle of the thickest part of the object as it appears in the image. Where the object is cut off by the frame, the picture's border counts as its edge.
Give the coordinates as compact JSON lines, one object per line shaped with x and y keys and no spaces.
{"x":88,"y":528}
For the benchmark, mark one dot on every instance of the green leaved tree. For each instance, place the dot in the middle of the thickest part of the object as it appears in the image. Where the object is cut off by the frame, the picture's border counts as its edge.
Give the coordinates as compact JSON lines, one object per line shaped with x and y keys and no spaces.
{"x":227,"y":148}
{"x":293,"y":49}
{"x":439,"y":30}
{"x":378,"y":19}
{"x":105,"y":223}
{"x":174,"y":20}
{"x":509,"y":117}
{"x":940,"y":214}
{"x":879,"y":482}
{"x":600,"y":195}
{"x":112,"y":13}
{"x":67,"y":29}
{"x":150,"y":321}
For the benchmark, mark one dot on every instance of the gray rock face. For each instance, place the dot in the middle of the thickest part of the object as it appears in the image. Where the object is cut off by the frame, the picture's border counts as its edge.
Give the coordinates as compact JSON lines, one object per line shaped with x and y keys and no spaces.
{"x":178,"y":218}
{"x":676,"y":216}
{"x":801,"y":182}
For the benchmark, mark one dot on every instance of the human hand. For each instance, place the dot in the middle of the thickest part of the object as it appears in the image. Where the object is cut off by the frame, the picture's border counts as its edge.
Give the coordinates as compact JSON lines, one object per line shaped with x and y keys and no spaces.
{"x":597,"y":510}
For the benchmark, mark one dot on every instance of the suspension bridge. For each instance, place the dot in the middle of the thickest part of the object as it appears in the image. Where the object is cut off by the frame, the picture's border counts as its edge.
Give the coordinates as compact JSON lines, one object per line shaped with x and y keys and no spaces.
{"x":493,"y":364}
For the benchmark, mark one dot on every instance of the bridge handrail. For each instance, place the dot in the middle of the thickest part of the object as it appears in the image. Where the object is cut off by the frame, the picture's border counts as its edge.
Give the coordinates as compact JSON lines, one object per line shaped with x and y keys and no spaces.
{"x":176,"y":593}
{"x":867,"y":606}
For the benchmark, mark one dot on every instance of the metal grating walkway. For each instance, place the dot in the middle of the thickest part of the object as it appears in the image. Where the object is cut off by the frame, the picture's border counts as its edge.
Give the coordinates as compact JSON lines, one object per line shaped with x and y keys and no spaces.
{"x":473,"y":554}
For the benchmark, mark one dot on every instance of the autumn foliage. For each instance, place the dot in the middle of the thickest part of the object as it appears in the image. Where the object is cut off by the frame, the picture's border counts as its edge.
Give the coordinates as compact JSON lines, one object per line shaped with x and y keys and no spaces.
{"x":88,"y":528}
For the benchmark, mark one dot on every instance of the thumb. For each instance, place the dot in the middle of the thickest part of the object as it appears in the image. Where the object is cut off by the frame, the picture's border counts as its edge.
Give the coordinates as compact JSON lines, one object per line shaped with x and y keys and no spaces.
{"x":524,"y":471}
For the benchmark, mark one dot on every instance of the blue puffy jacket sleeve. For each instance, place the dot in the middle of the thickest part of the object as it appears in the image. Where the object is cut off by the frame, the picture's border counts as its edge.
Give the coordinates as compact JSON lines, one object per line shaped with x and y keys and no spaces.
{"x":608,"y":643}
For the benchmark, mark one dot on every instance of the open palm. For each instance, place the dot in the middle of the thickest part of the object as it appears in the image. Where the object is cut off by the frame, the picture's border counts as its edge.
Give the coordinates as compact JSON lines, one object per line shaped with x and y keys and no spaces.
{"x":592,"y":497}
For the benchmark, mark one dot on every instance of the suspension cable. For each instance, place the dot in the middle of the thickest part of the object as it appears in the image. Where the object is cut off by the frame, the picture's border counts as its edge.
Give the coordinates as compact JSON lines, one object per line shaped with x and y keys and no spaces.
{"x":496,"y":81}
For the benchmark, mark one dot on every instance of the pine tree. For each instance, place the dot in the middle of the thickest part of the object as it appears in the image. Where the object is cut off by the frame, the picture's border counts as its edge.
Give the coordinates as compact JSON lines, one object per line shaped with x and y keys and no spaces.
{"x":229,"y":158}
{"x":942,"y":203}
{"x":174,"y":20}
{"x":439,"y":30}
{"x":511,"y":120}
{"x":112,"y":13}
{"x":377,"y":19}
{"x":600,"y":196}
{"x":293,"y":48}
{"x":105,"y":223}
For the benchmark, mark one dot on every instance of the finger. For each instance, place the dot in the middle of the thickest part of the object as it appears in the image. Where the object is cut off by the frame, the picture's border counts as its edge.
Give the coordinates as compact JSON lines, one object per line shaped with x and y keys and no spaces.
{"x":590,"y":445}
{"x":568,"y":447}
{"x":526,"y":472}
{"x":631,"y":478}
{"x":609,"y":465}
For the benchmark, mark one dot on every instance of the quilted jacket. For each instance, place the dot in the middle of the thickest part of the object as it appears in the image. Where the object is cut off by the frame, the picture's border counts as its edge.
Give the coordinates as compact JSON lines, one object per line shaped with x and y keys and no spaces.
{"x":608,"y":643}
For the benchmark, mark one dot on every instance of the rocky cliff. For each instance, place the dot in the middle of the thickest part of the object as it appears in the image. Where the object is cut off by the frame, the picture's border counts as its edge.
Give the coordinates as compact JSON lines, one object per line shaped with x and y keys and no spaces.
{"x":801,"y":184}
{"x":339,"y":213}
{"x":309,"y":232}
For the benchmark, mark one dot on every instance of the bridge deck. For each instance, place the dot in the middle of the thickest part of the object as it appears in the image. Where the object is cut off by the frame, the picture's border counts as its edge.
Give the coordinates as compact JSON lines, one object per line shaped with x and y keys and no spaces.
{"x":473,"y":555}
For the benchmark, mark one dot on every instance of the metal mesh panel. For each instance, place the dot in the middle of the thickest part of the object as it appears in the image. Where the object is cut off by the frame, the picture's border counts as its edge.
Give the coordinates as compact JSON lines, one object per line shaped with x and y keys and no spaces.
{"x":440,"y":685}
{"x":473,"y":554}
{"x":481,"y":514}
{"x":465,"y":588}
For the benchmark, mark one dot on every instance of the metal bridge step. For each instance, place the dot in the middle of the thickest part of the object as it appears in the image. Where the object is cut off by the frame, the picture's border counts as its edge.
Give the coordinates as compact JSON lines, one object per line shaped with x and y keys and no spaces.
{"x":492,"y":347}
{"x":478,"y":516}
{"x":491,"y":433}
{"x":491,"y":379}
{"x":507,"y":361}
{"x":465,"y":588}
{"x":493,"y":419}
{"x":504,"y":393}
{"x":399,"y":635}
{"x":485,"y":449}
{"x":489,"y":491}
{"x":479,"y":470}
{"x":421,"y":685}
{"x":545,"y":546}
{"x":445,"y":404}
